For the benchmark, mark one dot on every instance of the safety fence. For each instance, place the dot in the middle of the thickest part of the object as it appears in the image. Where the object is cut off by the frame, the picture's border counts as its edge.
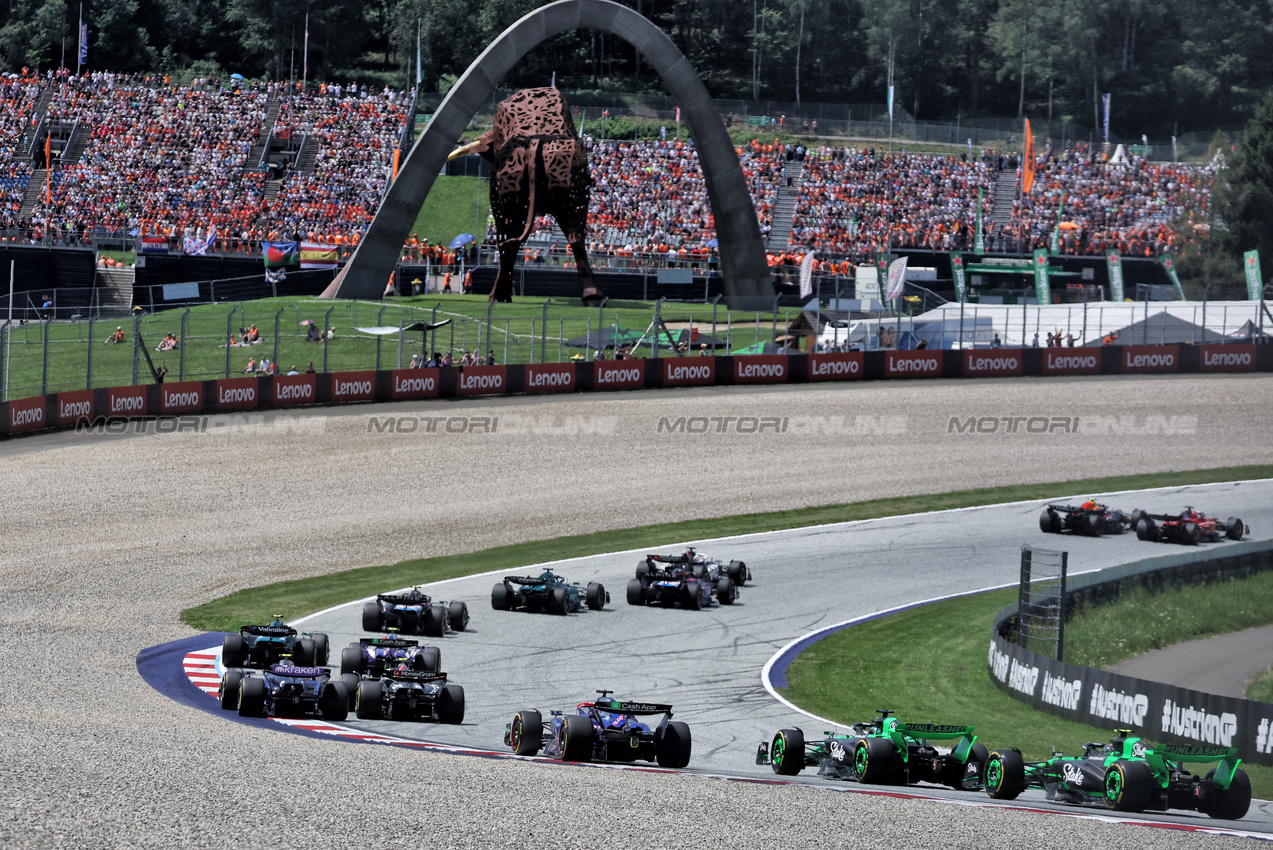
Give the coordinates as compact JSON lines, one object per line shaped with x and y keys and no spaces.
{"x":1151,"y":709}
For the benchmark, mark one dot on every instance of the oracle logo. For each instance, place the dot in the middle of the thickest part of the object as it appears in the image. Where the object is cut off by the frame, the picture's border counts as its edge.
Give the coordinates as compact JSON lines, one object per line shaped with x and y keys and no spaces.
{"x":126,"y":403}
{"x":236,"y":395}
{"x":342,"y":388}
{"x":25,"y":416}
{"x":481,"y":382}
{"x":293,"y":392}
{"x":541,"y":378}
{"x":835,"y":367}
{"x":979,"y":363}
{"x":689,"y":373}
{"x":1227,"y":358}
{"x":1149,"y":361}
{"x":182,"y":399}
{"x":619,"y":374}
{"x":761,"y":370}
{"x":413,"y":384}
{"x":74,"y":409}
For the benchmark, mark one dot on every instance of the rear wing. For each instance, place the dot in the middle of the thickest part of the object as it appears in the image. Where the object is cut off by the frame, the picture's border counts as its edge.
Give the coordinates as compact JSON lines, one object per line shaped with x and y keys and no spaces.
{"x":292,"y":672}
{"x":388,"y":643}
{"x":413,"y":676}
{"x":1187,"y":752}
{"x":394,"y":599}
{"x":525,"y":580}
{"x":1066,"y":509}
{"x":268,"y":631}
{"x":618,"y":707}
{"x":936,"y":731}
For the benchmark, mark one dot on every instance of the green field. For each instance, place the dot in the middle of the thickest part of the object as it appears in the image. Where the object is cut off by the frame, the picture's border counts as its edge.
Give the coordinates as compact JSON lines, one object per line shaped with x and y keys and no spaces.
{"x":455,"y":205}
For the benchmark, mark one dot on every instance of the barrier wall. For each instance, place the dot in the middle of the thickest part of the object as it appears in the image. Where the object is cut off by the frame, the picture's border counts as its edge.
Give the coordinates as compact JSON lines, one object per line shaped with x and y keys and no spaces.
{"x":65,"y":409}
{"x":1154,"y":710}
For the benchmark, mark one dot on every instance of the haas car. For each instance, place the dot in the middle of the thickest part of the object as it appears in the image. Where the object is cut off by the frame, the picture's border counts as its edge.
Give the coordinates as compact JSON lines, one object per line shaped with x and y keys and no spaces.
{"x":404,"y":693}
{"x":261,"y":646}
{"x":603,"y":730}
{"x":373,"y":656}
{"x":547,"y":592}
{"x":1090,"y":518}
{"x":1129,"y":775}
{"x":1188,"y":527}
{"x":885,"y":751}
{"x":285,"y":690}
{"x":414,"y":612}
{"x":690,"y":580}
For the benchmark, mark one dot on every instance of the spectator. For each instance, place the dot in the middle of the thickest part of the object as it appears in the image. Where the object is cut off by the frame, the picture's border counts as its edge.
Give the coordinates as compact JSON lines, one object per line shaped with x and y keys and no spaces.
{"x":309,"y":368}
{"x":293,"y":370}
{"x":251,"y":369}
{"x":117,"y":337}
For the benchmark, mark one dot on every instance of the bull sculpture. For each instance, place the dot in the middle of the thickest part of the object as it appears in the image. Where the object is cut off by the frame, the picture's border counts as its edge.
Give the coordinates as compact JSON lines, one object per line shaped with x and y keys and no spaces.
{"x":539,"y":168}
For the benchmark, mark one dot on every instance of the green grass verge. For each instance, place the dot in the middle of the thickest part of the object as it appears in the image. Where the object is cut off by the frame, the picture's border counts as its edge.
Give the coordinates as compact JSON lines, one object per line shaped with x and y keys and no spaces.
{"x":455,"y":205}
{"x":1261,"y":687}
{"x":1140,"y":621}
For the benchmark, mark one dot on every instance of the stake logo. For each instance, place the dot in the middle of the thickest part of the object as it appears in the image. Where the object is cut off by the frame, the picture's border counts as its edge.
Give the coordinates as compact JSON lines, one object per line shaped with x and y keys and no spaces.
{"x":689,"y":371}
{"x":912,"y":364}
{"x":1056,"y":361}
{"x":618,"y":375}
{"x":549,"y":378}
{"x":835,"y":367}
{"x":353,"y":386}
{"x":1151,"y":358}
{"x":1226,"y":358}
{"x":760,"y":369}
{"x":414,"y":383}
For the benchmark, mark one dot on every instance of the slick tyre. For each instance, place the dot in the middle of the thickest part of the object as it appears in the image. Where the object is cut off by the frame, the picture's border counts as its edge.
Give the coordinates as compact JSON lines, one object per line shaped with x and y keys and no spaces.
{"x":526,"y":735}
{"x":334,"y":704}
{"x":228,"y":692}
{"x":351,"y":682}
{"x":559,"y":603}
{"x":636,"y":592}
{"x":1190,"y":534}
{"x":430,"y":659}
{"x":1146,"y":529}
{"x":457,"y":615}
{"x":1234,"y":528}
{"x":674,"y":748}
{"x":303,"y":652}
{"x":577,"y":738}
{"x":234,"y":651}
{"x":351,"y":660}
{"x":1004,"y":774}
{"x":1128,"y":785}
{"x":501,"y":597}
{"x":643,"y":568}
{"x":433,"y":624}
{"x":595,"y":596}
{"x":1092,"y":527}
{"x":726,"y":592}
{"x":321,"y":649}
{"x":1233,"y":802}
{"x":693,"y":595}
{"x":875,"y":761}
{"x":738,"y":572}
{"x":786,"y":753}
{"x":1049,"y":523}
{"x":371,"y":617}
{"x":252,"y":697}
{"x":451,"y":705}
{"x":367,"y":703}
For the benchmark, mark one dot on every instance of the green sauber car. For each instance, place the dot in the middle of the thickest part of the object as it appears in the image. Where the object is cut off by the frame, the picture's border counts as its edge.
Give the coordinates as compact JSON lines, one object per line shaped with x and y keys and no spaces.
{"x":885,"y":751}
{"x":1129,"y":775}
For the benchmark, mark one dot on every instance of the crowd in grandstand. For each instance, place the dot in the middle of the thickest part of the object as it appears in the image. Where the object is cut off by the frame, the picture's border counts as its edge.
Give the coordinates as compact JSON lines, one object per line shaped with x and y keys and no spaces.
{"x":18,"y":95}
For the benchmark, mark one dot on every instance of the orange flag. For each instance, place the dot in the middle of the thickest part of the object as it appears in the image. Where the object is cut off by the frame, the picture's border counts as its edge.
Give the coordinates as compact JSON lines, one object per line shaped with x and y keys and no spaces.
{"x":1027,"y":165}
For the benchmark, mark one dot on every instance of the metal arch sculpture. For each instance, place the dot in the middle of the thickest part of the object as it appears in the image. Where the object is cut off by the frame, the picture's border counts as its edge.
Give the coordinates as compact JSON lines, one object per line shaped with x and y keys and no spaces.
{"x":743,"y":267}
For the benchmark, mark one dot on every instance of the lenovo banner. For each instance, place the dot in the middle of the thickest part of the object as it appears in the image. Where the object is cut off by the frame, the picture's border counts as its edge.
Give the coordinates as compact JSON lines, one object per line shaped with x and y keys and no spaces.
{"x":912,"y":364}
{"x":1071,"y":361}
{"x":413,"y":383}
{"x":761,"y":369}
{"x":74,"y":406}
{"x":836,"y":367}
{"x":1150,"y":358}
{"x":689,"y":371}
{"x":550,"y":378}
{"x":238,"y":393}
{"x":27,"y":414}
{"x":992,"y":363}
{"x":124,"y":402}
{"x":292,"y":390}
{"x":354,"y":386}
{"x":482,"y":380}
{"x":618,"y":375}
{"x":1226,"y":358}
{"x":184,"y":397}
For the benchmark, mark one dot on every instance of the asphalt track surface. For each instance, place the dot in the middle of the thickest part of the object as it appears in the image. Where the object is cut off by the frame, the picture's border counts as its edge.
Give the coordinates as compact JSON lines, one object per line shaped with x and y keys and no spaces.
{"x":1224,"y":664}
{"x":109,"y":539}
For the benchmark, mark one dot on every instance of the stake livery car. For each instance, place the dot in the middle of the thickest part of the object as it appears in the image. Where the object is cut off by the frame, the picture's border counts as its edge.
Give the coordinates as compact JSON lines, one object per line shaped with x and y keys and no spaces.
{"x":1090,"y":518}
{"x":604,"y":730}
{"x":1188,"y":527}
{"x":261,"y":646}
{"x":284,"y":690}
{"x":1130,"y":775}
{"x":414,"y":612}
{"x":883,"y":752}
{"x":690,"y":580}
{"x":547,"y":592}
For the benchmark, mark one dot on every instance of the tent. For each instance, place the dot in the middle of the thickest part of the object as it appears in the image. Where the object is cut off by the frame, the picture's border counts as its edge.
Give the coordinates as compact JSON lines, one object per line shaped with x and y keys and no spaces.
{"x":697,"y":341}
{"x":757,"y":348}
{"x":609,"y":337}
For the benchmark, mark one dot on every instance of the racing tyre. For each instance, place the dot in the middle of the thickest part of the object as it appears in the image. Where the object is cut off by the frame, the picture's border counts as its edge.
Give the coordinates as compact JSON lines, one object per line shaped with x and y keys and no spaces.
{"x":1135,"y":517}
{"x":371,"y":617}
{"x":596,"y":596}
{"x":321,"y":650}
{"x":1004,"y":774}
{"x":1093,"y":526}
{"x":1128,"y":785}
{"x":367,"y":703}
{"x":1232,"y":803}
{"x":228,"y":693}
{"x":636,"y":592}
{"x":1049,"y":523}
{"x":351,"y":660}
{"x":699,"y":571}
{"x":726,"y":592}
{"x":576,"y":738}
{"x":501,"y":598}
{"x":875,"y":761}
{"x":559,"y":603}
{"x":738,"y":572}
{"x":334,"y":705}
{"x":429,"y":659}
{"x":1190,"y":534}
{"x":526,"y":735}
{"x":252,"y":697}
{"x":1146,"y":530}
{"x":693,"y":595}
{"x":643,"y":568}
{"x":457,"y":615}
{"x":786,"y":753}
{"x":1234,"y":529}
{"x":451,"y":705}
{"x":303,"y":653}
{"x":234,"y":651}
{"x":351,"y":682}
{"x":673,"y":749}
{"x":966,"y":776}
{"x":433,"y":624}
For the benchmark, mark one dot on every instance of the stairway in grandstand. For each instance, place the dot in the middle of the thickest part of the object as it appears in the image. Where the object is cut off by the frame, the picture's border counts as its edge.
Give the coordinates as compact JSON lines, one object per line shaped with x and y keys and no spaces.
{"x":78,"y":142}
{"x":1005,"y":194}
{"x":114,"y":291}
{"x":253,"y":160}
{"x":35,"y":189}
{"x":784,"y":211}
{"x":307,"y":155}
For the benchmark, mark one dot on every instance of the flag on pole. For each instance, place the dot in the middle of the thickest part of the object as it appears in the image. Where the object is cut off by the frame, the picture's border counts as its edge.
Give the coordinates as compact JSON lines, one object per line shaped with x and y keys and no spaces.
{"x":1056,"y":231}
{"x":1165,"y":261}
{"x":1115,"y":264}
{"x":959,"y":274}
{"x":305,"y":60}
{"x":890,"y":103}
{"x":1027,"y":161}
{"x":806,"y":275}
{"x":1042,"y":288}
{"x":419,"y":69}
{"x":275,"y":275}
{"x":1105,"y":102}
{"x":896,"y":278}
{"x":83,"y":40}
{"x":979,"y":237}
{"x":1254,"y":281}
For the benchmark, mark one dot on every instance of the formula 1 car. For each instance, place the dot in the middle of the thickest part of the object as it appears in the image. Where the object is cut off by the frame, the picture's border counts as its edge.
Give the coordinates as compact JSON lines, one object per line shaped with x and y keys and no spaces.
{"x":1130,"y":775}
{"x":1090,"y":518}
{"x":415,"y":612}
{"x":698,"y":565}
{"x":261,"y":646}
{"x":373,"y":656}
{"x":547,"y":592}
{"x":284,"y":690}
{"x":604,"y":730}
{"x":1188,"y":527}
{"x":403,"y":693}
{"x":689,"y":580}
{"x":885,"y":751}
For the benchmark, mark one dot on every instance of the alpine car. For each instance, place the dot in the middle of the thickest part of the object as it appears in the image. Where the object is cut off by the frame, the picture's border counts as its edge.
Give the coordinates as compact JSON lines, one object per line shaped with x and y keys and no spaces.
{"x":285,"y":690}
{"x":261,"y":646}
{"x":373,"y":656}
{"x":885,"y":751}
{"x":1090,"y":518}
{"x":1188,"y":527}
{"x":414,"y":612}
{"x":689,"y":580}
{"x":403,"y":693}
{"x":547,"y":592}
{"x":1130,"y":775}
{"x":603,"y":730}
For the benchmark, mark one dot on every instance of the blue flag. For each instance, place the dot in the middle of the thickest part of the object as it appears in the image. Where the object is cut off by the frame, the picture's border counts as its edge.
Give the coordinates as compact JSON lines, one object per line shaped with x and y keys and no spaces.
{"x":83,"y":43}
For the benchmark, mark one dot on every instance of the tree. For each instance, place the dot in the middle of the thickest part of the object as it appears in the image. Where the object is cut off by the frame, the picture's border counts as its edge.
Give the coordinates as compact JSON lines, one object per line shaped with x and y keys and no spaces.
{"x":1244,"y":190}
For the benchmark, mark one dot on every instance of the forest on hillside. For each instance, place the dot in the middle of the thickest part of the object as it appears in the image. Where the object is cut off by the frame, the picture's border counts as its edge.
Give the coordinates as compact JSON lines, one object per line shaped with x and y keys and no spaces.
{"x":1171,"y":67}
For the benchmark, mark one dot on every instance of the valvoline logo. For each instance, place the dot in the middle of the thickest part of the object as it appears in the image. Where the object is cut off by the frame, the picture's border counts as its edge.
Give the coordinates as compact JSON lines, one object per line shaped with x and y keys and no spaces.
{"x":550,"y":377}
{"x":760,"y":369}
{"x":184,"y":397}
{"x":354,"y":386}
{"x":992,"y":363}
{"x":846,"y":366}
{"x":1151,"y":358}
{"x":912,"y":364}
{"x":689,"y":371}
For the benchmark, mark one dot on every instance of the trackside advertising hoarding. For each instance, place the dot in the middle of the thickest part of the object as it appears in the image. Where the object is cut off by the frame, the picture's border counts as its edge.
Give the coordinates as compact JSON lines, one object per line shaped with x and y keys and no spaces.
{"x":183,"y":397}
{"x":1226,"y":358}
{"x":27,"y":414}
{"x":123,"y":402}
{"x":836,"y":367}
{"x":761,"y":369}
{"x":354,"y":386}
{"x":293,"y":390}
{"x":912,"y":364}
{"x":1071,"y":361}
{"x":237,"y":394}
{"x":618,"y":374}
{"x":992,"y":363}
{"x":1150,"y":358}
{"x":74,"y":406}
{"x":414,"y":383}
{"x":689,"y":371}
{"x":482,"y":380}
{"x":550,"y":378}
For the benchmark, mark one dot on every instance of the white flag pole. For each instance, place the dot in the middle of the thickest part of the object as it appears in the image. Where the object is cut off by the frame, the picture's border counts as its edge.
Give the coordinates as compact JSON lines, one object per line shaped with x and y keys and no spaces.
{"x":305,"y":62}
{"x":8,"y":334}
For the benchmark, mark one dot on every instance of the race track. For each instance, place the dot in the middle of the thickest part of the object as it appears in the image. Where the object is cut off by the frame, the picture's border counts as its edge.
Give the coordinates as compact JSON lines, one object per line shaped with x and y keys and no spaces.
{"x":107,"y":540}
